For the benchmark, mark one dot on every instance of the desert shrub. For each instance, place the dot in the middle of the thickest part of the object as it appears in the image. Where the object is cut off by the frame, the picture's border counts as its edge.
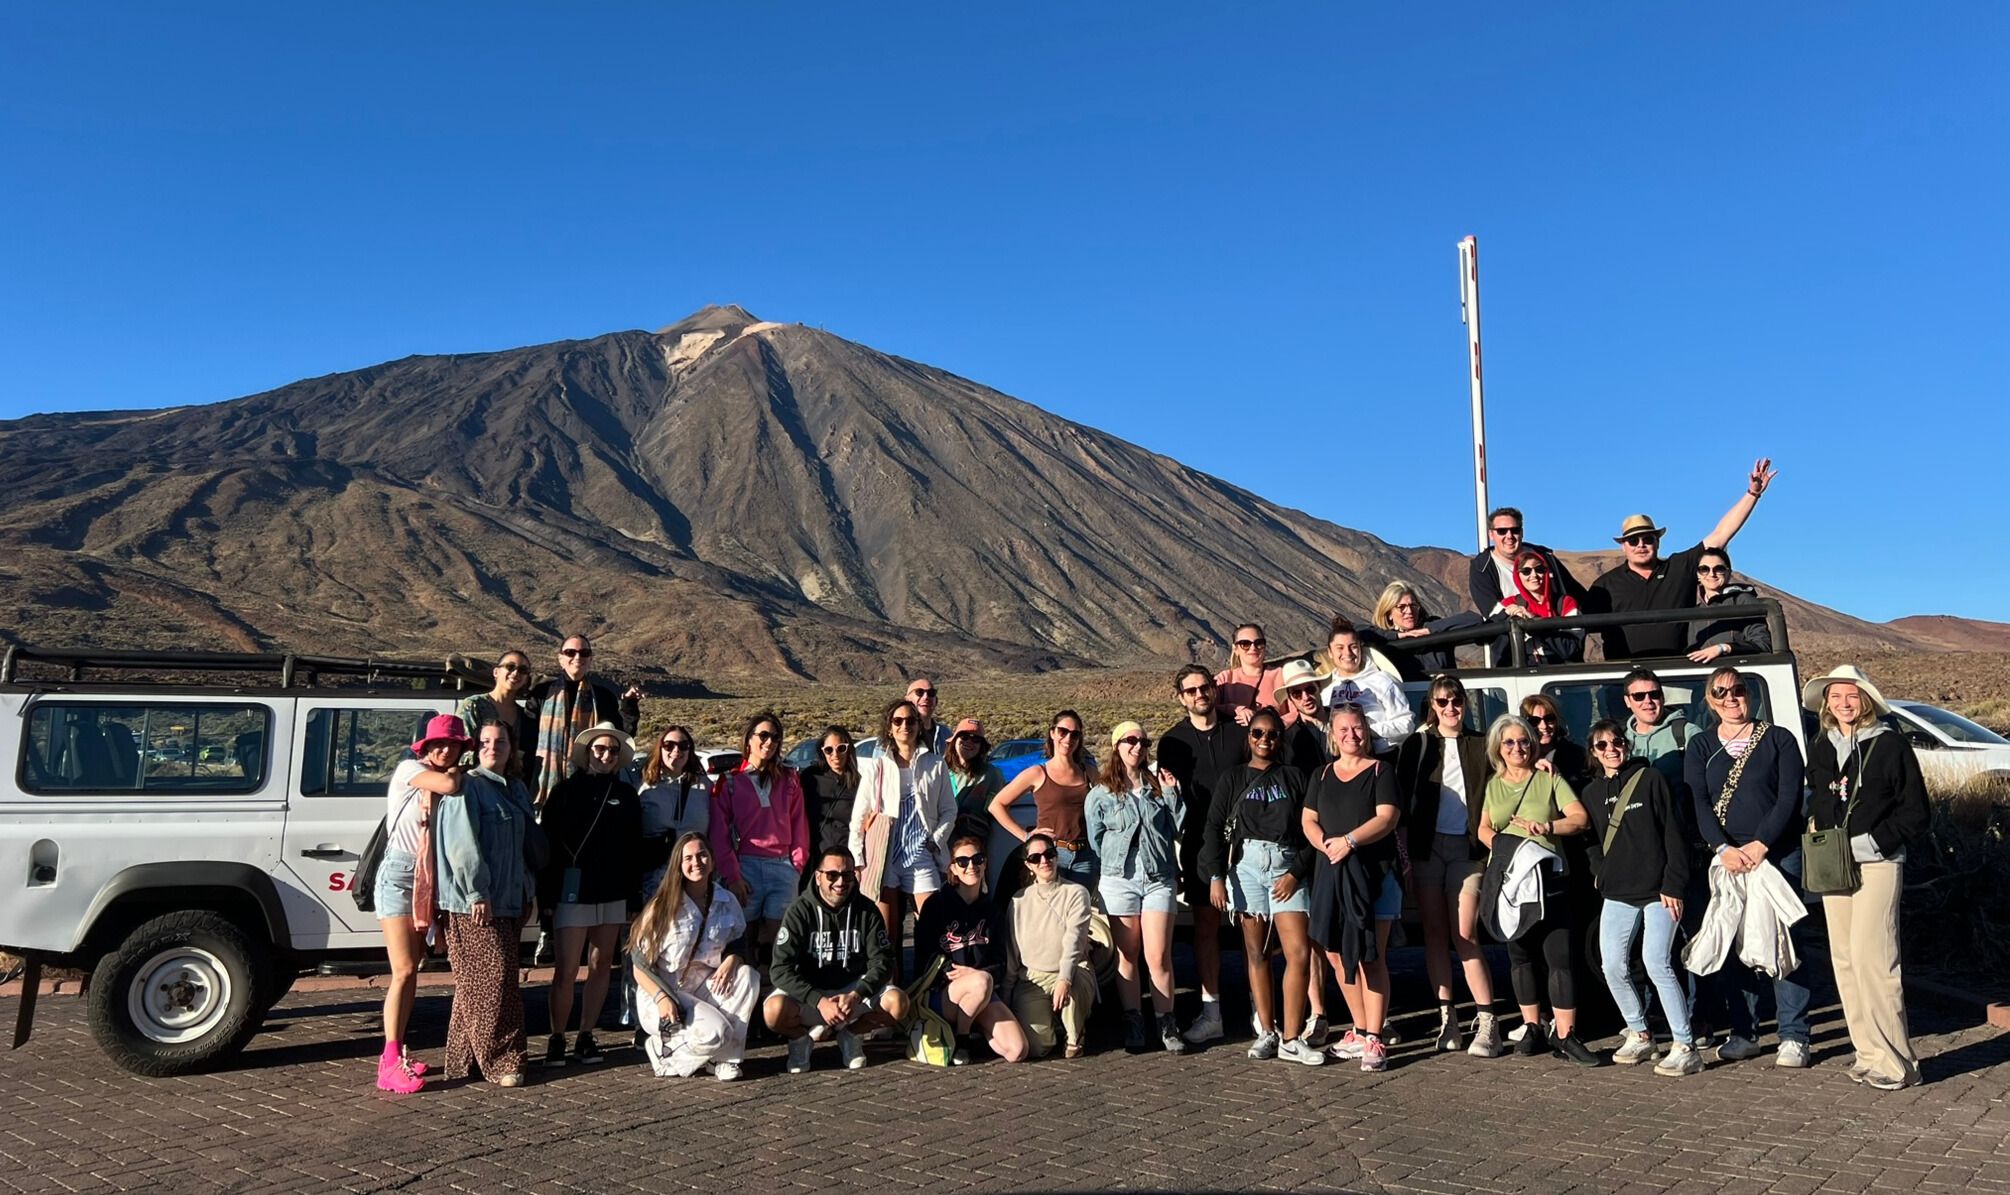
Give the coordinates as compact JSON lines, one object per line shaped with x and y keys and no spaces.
{"x":1957,"y":884}
{"x":1993,"y":712}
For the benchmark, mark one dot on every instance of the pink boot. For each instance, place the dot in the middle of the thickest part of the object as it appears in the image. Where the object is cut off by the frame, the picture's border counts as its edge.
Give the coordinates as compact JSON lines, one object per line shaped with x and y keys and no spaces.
{"x":394,"y":1074}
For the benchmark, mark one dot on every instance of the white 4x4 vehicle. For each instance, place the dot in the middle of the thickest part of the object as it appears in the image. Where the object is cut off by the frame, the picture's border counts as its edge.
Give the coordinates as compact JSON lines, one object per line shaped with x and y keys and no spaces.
{"x":189,"y":841}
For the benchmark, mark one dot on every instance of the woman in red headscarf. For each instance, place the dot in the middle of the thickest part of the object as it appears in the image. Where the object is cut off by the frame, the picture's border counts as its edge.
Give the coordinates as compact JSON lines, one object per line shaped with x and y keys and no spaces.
{"x":1538,"y":595}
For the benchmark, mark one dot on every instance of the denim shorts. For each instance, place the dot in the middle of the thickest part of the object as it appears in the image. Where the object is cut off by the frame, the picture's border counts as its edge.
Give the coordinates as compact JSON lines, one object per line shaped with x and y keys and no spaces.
{"x":1389,"y":901}
{"x":1263,"y":864}
{"x":919,"y":880}
{"x":771,"y":884}
{"x":1128,"y":898}
{"x":394,"y":883}
{"x":570,"y":914}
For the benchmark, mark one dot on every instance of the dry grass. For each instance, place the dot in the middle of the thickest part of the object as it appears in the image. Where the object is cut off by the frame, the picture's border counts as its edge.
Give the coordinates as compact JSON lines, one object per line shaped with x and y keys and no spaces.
{"x":1957,"y":886}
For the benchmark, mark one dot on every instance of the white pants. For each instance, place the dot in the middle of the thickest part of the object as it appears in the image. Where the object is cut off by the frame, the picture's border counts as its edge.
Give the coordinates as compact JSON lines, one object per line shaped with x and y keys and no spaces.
{"x":714,"y":1027}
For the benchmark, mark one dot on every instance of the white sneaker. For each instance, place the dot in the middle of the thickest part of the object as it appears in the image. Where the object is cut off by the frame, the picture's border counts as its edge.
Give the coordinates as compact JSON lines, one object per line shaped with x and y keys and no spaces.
{"x":1793,"y":1055}
{"x":851,"y":1049}
{"x":1638,"y":1047}
{"x":799,"y":1054}
{"x":820,"y":1032}
{"x":726,"y":1072}
{"x":1737,"y":1049}
{"x":1207,"y":1026}
{"x":1680,"y":1060}
{"x":1299,"y":1050}
{"x":1486,"y":1036}
{"x":1265,"y":1047}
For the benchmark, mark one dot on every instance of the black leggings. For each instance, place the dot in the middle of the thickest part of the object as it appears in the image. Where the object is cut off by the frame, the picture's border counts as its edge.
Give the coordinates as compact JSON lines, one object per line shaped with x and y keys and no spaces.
{"x":1546,"y":946}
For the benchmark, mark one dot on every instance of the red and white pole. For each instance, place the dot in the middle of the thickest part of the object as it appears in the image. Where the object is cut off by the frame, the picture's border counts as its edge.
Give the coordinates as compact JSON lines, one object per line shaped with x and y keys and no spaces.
{"x":1469,"y":311}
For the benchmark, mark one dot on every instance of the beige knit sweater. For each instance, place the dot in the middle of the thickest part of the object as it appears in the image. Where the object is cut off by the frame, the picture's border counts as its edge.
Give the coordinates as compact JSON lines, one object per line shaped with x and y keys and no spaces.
{"x":1050,"y":927}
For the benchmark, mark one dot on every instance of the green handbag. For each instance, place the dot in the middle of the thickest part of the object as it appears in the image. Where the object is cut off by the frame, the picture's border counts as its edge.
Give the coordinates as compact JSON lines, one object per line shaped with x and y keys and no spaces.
{"x":1828,"y":865}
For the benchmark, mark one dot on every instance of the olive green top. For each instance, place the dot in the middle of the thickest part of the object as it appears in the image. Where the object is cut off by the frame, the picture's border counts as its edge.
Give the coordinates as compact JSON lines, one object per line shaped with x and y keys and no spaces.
{"x":1543,"y":798}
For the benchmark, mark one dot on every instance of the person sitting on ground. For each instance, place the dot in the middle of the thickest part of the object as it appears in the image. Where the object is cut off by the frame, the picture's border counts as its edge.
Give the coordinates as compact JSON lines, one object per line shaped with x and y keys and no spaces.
{"x":1647,"y":581}
{"x":961,"y":927}
{"x":1400,"y":616}
{"x":1357,"y":682}
{"x":973,"y":778}
{"x":830,"y":786}
{"x":905,"y":784}
{"x":1134,"y":816}
{"x":833,"y":962}
{"x":1048,"y":953}
{"x":1715,"y":638}
{"x":1350,"y":821}
{"x":1524,"y":804}
{"x":1490,"y":575}
{"x":594,"y":822}
{"x":1248,"y":684}
{"x":696,"y":991}
{"x":1257,"y":864}
{"x":1060,"y":787}
{"x":1643,"y":874}
{"x":1538,"y":595}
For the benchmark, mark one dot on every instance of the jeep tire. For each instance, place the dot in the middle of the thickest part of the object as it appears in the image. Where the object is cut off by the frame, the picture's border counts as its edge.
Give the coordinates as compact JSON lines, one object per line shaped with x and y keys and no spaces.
{"x":181,"y":992}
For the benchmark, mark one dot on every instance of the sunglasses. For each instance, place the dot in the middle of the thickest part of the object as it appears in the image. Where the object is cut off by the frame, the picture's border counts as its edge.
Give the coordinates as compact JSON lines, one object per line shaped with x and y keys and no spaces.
{"x":597,"y":749}
{"x":1263,"y":736}
{"x":1544,"y":719}
{"x":1197,"y":690}
{"x":513,"y":667}
{"x":1412,"y":607}
{"x":1514,"y":530}
{"x":1448,"y":703}
{"x":1608,"y":744}
{"x":576,"y":653}
{"x":966,"y":861}
{"x":1645,"y":695}
{"x":1712,"y":570}
{"x":1729,"y":691}
{"x":837,"y":749}
{"x":1534,"y":572}
{"x":1134,"y":741}
{"x":1067,"y":732}
{"x":1036,"y":858}
{"x":1303,"y":693}
{"x":834,"y":876}
{"x":902,"y":720}
{"x":676,"y":744}
{"x":1515,"y":744}
{"x":1642,"y":539}
{"x":763,"y":736}
{"x":1252,"y":643}
{"x":921,"y":694}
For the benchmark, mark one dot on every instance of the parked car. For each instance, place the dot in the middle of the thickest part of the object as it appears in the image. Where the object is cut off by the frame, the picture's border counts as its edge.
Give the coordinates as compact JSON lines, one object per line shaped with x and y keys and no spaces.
{"x":1952,"y":750}
{"x":718,"y":763}
{"x":1014,"y":756}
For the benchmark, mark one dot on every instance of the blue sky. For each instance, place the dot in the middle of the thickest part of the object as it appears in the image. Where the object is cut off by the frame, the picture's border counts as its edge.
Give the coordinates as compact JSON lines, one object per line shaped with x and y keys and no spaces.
{"x":1709,"y":232}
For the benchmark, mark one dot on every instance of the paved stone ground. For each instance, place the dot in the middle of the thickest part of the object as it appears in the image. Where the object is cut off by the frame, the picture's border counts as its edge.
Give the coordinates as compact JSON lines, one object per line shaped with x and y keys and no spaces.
{"x":298,"y":1114}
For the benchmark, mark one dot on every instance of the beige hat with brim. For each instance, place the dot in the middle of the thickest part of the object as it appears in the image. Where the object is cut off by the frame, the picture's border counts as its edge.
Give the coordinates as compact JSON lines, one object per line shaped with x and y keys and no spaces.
{"x":582,"y":741}
{"x":1637,"y":525}
{"x":1297,"y":673}
{"x":1815,"y":692}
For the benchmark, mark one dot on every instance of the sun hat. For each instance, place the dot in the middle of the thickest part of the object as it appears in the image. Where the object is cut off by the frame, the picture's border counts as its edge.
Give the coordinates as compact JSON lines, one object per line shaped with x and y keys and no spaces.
{"x":444,"y":728}
{"x":1637,"y":525}
{"x":1121,"y":729}
{"x":969,"y":726}
{"x":1815,"y":692}
{"x":583,"y":741}
{"x":1298,"y":672}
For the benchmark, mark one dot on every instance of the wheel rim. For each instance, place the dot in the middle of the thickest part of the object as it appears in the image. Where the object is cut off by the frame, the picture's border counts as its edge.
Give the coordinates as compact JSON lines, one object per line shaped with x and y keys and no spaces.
{"x":178,"y":995}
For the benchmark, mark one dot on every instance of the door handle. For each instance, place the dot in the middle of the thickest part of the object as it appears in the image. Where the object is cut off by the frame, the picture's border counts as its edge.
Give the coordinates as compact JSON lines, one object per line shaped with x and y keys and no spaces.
{"x":323,"y":852}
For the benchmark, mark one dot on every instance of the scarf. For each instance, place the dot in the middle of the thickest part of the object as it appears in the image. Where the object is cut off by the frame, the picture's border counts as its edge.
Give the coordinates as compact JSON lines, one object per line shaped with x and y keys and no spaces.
{"x":556,"y":732}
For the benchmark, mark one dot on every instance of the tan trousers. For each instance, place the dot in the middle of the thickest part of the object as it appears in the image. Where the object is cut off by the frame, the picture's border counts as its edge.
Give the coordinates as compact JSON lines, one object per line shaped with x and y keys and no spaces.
{"x":1863,"y":943}
{"x":1033,"y":1003}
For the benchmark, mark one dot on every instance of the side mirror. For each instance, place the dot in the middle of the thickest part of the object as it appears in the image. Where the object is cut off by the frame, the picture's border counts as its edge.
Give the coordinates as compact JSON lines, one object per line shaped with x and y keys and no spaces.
{"x":1922,"y":739}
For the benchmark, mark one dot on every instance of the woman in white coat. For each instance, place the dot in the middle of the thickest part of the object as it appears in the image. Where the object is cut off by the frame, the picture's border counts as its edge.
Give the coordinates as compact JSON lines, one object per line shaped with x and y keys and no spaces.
{"x":902,"y":818}
{"x":694,"y":989}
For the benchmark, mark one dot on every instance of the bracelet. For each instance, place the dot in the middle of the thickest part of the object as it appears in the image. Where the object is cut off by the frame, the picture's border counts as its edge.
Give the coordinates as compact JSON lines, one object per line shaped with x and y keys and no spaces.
{"x":1351,"y":844}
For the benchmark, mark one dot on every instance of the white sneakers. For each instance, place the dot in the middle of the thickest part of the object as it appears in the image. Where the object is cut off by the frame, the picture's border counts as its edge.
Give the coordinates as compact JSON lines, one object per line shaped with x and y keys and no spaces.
{"x":1301,"y":1051}
{"x":1637,"y":1047}
{"x":1486,"y":1036}
{"x":1207,"y":1026}
{"x":1679,"y":1060}
{"x":1264,"y":1048}
{"x":1792,"y":1055}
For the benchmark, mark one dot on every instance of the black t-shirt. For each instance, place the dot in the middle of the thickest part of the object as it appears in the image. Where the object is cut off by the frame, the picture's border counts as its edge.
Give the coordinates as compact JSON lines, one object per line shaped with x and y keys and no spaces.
{"x":1305,"y":746}
{"x":827,"y":802}
{"x":1198,"y":759}
{"x":1261,"y":805}
{"x":1672,"y":587}
{"x":961,"y":929}
{"x":1341,"y":805}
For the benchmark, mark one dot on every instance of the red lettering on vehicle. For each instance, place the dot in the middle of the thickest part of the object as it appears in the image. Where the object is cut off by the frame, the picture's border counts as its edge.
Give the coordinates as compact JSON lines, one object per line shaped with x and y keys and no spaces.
{"x":338,"y":881}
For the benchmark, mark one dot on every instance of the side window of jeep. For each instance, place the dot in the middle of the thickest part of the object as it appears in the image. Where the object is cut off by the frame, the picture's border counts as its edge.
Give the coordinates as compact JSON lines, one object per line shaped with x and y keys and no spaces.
{"x":1483,"y":705}
{"x":164,"y":748}
{"x":1584,"y":702}
{"x":352,"y":752}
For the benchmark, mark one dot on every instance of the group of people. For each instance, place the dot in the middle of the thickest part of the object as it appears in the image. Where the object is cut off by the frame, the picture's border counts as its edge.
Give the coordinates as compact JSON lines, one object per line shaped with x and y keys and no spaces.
{"x":1302,"y":802}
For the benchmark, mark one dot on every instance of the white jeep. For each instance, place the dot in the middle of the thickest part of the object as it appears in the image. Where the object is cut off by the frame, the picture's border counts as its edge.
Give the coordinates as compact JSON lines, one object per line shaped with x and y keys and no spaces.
{"x":183,"y":827}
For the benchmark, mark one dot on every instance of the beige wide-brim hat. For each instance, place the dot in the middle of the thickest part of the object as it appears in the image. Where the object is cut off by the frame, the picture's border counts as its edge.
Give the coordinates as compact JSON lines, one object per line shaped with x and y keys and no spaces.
{"x":1299,"y":672}
{"x":585,"y":738}
{"x":1637,"y":525}
{"x":1816,"y":691}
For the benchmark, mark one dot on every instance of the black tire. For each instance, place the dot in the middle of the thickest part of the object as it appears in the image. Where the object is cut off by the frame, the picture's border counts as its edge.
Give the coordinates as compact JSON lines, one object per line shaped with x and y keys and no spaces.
{"x":179,"y":994}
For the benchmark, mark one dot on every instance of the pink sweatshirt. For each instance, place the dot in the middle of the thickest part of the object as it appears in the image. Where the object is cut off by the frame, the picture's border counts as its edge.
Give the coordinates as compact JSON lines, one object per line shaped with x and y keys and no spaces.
{"x":742,"y":826}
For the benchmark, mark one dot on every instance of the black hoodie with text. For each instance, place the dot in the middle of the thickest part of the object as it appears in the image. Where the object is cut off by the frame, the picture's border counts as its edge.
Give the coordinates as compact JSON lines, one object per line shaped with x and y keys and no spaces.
{"x":823,"y":951}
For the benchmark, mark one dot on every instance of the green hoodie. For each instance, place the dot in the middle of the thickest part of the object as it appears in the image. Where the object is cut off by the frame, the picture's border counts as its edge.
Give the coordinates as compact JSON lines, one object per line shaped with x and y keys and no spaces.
{"x":1662,"y":747}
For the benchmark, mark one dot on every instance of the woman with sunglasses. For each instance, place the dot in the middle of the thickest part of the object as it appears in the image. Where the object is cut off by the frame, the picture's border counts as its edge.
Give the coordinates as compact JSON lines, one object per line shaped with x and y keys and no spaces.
{"x":961,"y":926}
{"x":973,"y":778}
{"x":830,"y":787}
{"x":1247,"y":684}
{"x":593,"y":820}
{"x":1525,"y":804}
{"x":1643,"y":872}
{"x":697,"y":991}
{"x":1060,"y":788}
{"x":1134,"y":815}
{"x":905,"y":784}
{"x":1744,"y":825}
{"x":1350,"y":821}
{"x":1441,"y":775}
{"x":676,"y":800}
{"x":1257,"y":865}
{"x":1554,"y":749}
{"x":504,"y":706}
{"x":1048,"y":952}
{"x":1715,"y":638}
{"x":1400,"y":616}
{"x":1539,"y":594}
{"x":760,"y":832}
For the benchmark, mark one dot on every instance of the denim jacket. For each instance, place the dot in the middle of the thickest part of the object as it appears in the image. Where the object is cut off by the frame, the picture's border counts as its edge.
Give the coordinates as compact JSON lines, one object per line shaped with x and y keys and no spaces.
{"x":1122,"y":822}
{"x":478,"y":843}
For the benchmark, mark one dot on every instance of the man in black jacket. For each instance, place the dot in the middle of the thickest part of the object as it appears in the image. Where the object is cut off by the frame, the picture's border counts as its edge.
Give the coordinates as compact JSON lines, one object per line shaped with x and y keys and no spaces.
{"x":1197,"y":749}
{"x":1490,"y":574}
{"x":831,"y":967}
{"x":572,"y":701}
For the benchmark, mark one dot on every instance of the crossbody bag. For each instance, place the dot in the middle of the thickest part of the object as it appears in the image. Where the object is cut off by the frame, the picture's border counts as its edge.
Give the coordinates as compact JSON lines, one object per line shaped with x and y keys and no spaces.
{"x":1828,"y":866}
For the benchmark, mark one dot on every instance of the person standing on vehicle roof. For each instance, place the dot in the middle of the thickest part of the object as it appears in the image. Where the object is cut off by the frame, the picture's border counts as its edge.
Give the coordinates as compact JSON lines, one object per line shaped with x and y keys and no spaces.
{"x":934,"y":732}
{"x":1719,"y":637}
{"x":572,"y":703}
{"x":1649,"y":581}
{"x":503,"y":706}
{"x":1199,"y":750}
{"x":1490,"y":575}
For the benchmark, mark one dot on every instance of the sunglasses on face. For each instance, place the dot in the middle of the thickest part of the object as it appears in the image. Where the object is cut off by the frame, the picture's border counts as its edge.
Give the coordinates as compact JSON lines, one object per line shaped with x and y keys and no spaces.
{"x":967,"y":861}
{"x":1608,"y":745}
{"x":1514,"y":744}
{"x":513,"y":667}
{"x":1726,"y":692}
{"x":1262,"y":736}
{"x":1066,"y":732}
{"x":1448,"y":703}
{"x":1638,"y":541}
{"x":1037,"y":858}
{"x":921,"y":694}
{"x":1410,"y":607}
{"x":1712,"y":570}
{"x":1544,"y":719}
{"x":676,"y":745}
{"x":834,"y":876}
{"x":1304,"y":694}
{"x":1508,"y":531}
{"x":837,"y":748}
{"x":576,"y":653}
{"x":902,"y":720}
{"x":762,"y":736}
{"x":598,"y":749}
{"x":1252,"y":643}
{"x":1534,"y":572}
{"x":1134,"y":741}
{"x":1197,"y":690}
{"x":1645,"y":695}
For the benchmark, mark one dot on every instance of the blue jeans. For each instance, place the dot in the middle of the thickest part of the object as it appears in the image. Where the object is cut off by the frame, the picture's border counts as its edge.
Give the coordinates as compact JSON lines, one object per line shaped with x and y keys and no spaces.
{"x":1745,"y":991}
{"x":1620,"y":927}
{"x":1080,"y":866}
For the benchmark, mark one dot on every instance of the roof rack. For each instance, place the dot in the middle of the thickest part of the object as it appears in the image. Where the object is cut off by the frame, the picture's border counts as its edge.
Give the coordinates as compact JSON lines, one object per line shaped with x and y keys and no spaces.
{"x":1519,"y":631}
{"x":294,"y":670}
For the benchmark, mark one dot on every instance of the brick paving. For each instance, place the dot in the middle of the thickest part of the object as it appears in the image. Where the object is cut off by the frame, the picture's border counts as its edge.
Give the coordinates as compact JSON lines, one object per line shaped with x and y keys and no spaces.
{"x":298,"y":1114}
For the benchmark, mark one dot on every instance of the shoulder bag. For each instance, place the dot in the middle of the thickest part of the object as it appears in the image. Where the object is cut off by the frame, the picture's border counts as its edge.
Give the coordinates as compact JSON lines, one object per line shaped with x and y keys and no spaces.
{"x":1828,"y":866}
{"x":363,"y":881}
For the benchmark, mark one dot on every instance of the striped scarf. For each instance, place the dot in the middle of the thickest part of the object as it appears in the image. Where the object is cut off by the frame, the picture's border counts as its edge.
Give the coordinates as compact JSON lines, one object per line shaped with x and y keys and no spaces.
{"x":555,"y":733}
